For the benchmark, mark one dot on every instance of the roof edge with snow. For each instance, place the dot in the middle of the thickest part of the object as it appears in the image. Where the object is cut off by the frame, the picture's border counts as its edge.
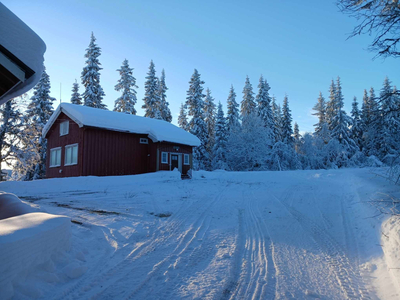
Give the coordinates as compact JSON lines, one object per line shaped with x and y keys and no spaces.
{"x":157,"y":130}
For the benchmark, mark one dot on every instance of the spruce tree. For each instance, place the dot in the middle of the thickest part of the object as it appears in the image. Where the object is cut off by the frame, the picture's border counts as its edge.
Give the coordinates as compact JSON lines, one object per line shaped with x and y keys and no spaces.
{"x":164,"y":105}
{"x":287,"y":131}
{"x":76,"y":97}
{"x":356,"y":127}
{"x":182,"y":119}
{"x":38,"y":113}
{"x":232,"y":115}
{"x":297,"y":137}
{"x":373,"y":131}
{"x":331,"y":106}
{"x":126,"y":84}
{"x":341,"y":122}
{"x":197,"y":125}
{"x":90,"y":76}
{"x":209,"y":118}
{"x":248,"y":105}
{"x":320,"y":111}
{"x":277,"y":112}
{"x":264,"y":106}
{"x":390,"y":129}
{"x":219,"y":149}
{"x":151,"y":97}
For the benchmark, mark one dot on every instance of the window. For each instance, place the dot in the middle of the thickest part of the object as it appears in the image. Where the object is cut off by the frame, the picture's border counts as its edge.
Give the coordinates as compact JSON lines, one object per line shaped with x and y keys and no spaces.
{"x":55,"y":157}
{"x":144,"y":141}
{"x":164,"y":157}
{"x":64,"y":128}
{"x":186,"y":159}
{"x":71,"y":155}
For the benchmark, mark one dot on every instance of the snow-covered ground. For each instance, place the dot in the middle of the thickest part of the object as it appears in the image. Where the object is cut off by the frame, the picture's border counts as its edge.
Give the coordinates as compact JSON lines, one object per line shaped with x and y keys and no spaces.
{"x":222,"y":235}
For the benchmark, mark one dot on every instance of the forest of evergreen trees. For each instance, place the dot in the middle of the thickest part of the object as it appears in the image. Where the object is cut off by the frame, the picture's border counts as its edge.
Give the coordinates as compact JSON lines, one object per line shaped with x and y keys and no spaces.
{"x":256,"y":134}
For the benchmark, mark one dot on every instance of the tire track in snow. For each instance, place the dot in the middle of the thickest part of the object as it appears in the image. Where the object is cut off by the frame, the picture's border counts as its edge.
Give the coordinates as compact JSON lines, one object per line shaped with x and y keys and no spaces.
{"x":160,"y":236}
{"x":184,"y":246}
{"x":349,"y":282}
{"x":257,"y":279}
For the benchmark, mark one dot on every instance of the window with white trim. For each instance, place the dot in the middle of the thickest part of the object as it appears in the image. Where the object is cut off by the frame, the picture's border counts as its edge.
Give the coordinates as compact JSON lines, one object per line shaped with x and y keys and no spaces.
{"x":64,"y":128}
{"x":186,"y":159}
{"x":71,"y":155}
{"x":164,"y":157}
{"x":144,"y":141}
{"x":55,"y":157}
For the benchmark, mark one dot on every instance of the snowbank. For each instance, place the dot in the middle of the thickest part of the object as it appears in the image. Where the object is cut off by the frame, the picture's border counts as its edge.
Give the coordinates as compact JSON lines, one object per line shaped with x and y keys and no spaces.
{"x":157,"y":130}
{"x":28,"y":241}
{"x":11,"y":206}
{"x":391,"y":247}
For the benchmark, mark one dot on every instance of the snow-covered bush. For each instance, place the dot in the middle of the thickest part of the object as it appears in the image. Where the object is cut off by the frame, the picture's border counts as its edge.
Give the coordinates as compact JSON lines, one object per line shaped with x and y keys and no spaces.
{"x":284,"y":157}
{"x":249,"y":145}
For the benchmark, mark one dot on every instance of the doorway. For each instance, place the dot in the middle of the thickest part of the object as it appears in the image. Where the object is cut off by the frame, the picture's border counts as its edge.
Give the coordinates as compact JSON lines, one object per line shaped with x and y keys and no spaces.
{"x":174,"y":161}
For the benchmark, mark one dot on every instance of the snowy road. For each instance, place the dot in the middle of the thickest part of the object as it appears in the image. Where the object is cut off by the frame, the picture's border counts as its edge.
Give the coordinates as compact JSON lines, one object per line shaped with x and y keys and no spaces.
{"x":259,"y":235}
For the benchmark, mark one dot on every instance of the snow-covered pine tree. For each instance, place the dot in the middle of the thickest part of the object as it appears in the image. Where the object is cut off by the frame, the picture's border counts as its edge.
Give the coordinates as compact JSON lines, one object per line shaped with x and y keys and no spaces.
{"x":277,"y":112}
{"x":232,"y":115}
{"x":76,"y":97}
{"x":164,"y":105}
{"x":151,"y":96}
{"x":331,"y":105}
{"x":297,"y":137}
{"x":10,"y":131}
{"x":209,"y":118}
{"x":356,"y":132}
{"x":248,"y":105}
{"x":197,"y":125}
{"x":390,"y":131}
{"x":126,"y":84}
{"x":264,"y":106}
{"x":38,"y":113}
{"x":219,"y":150}
{"x":341,"y":123}
{"x":374,"y":128}
{"x":182,"y":119}
{"x":320,"y":111}
{"x":287,"y":131}
{"x":90,"y":76}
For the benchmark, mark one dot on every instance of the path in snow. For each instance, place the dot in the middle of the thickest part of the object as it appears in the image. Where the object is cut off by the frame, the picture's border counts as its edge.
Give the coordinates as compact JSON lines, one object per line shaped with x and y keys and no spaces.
{"x":259,"y":235}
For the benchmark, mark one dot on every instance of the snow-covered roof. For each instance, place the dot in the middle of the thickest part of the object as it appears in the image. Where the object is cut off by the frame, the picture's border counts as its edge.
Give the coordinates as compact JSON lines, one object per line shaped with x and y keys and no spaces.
{"x":24,"y":44}
{"x":157,"y":130}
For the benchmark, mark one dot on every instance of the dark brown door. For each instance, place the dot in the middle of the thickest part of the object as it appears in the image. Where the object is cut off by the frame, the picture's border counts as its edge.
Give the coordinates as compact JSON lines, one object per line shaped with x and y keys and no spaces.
{"x":174,"y":161}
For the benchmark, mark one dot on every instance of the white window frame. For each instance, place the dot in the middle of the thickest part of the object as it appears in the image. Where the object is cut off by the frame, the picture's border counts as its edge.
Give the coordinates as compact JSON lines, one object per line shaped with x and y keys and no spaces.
{"x":186,"y":156}
{"x":144,"y":141}
{"x":65,"y":154}
{"x":52,"y":150}
{"x":61,"y":126}
{"x":162,"y":158}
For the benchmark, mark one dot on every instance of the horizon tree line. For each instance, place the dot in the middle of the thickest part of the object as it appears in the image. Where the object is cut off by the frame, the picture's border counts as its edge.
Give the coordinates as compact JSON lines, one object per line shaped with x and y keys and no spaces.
{"x":256,"y":135}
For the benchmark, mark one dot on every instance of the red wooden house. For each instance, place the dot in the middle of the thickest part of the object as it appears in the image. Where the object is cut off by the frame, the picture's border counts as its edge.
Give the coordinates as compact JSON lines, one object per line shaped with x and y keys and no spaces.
{"x":84,"y":141}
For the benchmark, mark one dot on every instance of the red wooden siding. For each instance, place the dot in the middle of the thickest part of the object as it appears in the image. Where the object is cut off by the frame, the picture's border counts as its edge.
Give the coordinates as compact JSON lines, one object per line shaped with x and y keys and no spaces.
{"x":54,"y":140}
{"x":115,"y":153}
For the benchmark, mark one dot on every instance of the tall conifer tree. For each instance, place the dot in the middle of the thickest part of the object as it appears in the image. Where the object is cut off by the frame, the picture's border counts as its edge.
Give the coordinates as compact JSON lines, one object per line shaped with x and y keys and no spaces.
{"x":126,"y":84}
{"x":90,"y":76}
{"x":248,"y":105}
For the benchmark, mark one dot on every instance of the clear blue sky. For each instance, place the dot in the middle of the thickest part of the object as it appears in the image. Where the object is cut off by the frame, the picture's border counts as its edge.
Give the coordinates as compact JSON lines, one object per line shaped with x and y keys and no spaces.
{"x":299,"y":46}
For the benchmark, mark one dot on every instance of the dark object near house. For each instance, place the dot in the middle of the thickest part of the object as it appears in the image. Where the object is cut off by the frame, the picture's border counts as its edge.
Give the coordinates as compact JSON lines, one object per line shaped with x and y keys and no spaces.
{"x":84,"y":141}
{"x":21,"y":56}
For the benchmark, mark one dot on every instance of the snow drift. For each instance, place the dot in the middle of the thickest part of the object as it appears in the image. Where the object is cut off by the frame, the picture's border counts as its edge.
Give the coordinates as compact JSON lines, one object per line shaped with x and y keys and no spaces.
{"x":28,"y":241}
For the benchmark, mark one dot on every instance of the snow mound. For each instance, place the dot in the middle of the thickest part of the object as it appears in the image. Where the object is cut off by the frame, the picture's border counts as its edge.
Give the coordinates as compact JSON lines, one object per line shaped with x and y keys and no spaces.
{"x":157,"y":130}
{"x":11,"y":206}
{"x":28,"y":241}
